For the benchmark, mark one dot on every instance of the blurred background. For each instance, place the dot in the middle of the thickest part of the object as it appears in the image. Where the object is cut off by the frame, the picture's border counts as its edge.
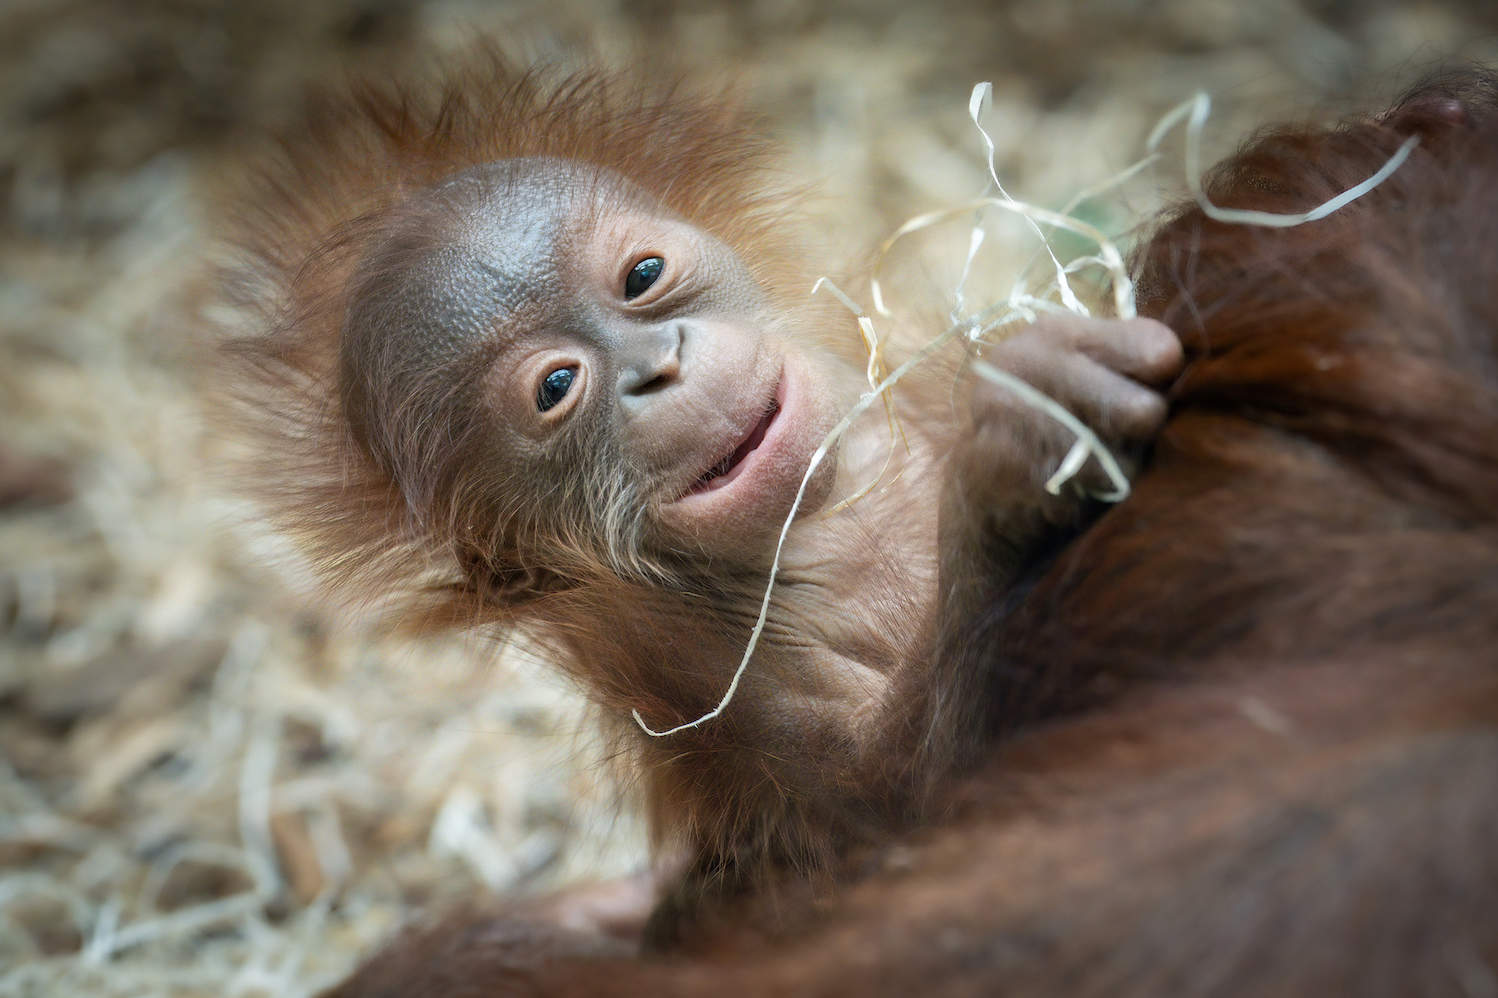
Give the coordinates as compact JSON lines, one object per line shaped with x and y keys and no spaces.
{"x":209,"y":783}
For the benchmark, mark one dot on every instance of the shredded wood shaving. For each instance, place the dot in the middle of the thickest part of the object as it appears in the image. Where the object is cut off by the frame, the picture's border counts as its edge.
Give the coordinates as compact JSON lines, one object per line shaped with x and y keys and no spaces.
{"x":875,"y":375}
{"x":1196,"y":111}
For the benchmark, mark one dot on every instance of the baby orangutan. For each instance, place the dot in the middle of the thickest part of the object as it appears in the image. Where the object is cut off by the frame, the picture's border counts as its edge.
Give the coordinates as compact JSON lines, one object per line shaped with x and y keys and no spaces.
{"x":540,"y":355}
{"x":1242,"y":731}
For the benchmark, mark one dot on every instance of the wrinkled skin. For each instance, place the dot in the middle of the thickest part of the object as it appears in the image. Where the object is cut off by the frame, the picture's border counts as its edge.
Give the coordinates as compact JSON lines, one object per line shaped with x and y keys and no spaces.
{"x":529,"y":279}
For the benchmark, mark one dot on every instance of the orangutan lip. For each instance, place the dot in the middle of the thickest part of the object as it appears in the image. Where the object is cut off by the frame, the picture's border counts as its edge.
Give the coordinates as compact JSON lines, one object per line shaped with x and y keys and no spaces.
{"x":728,"y":469}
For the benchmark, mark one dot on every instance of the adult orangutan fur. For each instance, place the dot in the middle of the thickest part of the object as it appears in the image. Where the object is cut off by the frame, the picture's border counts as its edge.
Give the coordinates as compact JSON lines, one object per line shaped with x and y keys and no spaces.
{"x":1244,"y":731}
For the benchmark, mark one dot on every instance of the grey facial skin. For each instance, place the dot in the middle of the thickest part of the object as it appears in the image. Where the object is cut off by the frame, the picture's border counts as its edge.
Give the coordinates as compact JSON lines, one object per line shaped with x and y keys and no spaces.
{"x":511,"y":272}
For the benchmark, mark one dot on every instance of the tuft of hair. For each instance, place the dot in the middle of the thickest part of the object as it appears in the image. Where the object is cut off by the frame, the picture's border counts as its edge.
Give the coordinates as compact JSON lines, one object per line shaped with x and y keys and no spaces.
{"x":418,"y":544}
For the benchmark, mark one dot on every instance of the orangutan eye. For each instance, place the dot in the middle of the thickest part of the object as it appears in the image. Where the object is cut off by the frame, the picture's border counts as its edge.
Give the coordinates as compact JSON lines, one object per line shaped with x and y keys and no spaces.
{"x":642,"y":276}
{"x":554,"y":387}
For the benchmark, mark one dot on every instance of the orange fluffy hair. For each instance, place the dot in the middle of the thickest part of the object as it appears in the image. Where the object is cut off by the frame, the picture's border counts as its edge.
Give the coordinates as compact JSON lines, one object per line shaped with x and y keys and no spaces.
{"x":399,"y":536}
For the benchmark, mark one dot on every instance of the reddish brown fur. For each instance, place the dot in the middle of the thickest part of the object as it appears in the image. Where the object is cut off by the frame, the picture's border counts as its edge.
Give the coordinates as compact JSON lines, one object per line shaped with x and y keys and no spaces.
{"x":1247,"y":726}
